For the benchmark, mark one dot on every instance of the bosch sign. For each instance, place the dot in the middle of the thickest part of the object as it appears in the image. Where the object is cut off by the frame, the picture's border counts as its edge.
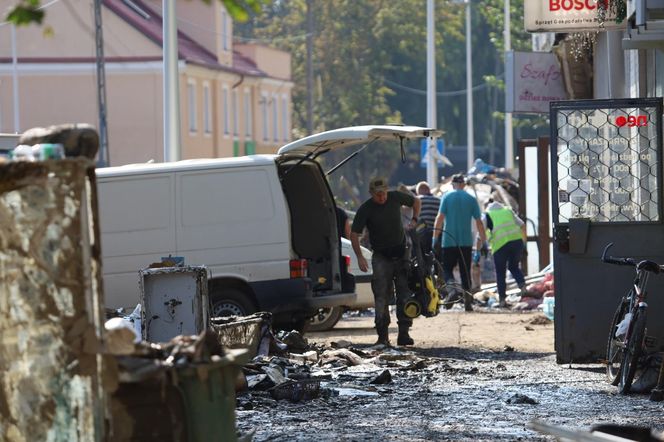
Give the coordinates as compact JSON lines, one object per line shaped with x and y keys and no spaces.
{"x":566,"y":15}
{"x":569,"y":5}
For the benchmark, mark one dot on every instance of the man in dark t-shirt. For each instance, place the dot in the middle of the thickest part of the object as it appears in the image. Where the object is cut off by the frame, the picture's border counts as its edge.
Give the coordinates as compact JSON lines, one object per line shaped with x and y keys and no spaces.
{"x":381,"y":215}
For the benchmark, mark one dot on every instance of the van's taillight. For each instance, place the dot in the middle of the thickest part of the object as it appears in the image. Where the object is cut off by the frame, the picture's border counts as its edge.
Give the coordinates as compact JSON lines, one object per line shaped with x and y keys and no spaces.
{"x":298,"y":268}
{"x":347,"y":261}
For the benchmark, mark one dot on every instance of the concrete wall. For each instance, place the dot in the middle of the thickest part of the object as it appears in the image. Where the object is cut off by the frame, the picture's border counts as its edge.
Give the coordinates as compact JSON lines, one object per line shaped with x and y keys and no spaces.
{"x":51,"y":308}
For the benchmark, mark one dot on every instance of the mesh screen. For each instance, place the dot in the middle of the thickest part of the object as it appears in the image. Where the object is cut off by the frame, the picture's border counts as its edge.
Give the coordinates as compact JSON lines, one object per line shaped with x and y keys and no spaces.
{"x":608,"y":164}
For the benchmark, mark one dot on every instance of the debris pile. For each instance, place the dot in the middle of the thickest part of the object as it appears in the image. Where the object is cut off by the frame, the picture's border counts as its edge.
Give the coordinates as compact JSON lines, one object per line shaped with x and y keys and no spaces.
{"x":300,"y":371}
{"x":538,"y":288}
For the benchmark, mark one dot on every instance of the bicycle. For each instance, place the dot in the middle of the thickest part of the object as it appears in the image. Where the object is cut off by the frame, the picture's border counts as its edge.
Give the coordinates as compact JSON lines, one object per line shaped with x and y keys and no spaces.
{"x":628,"y":329}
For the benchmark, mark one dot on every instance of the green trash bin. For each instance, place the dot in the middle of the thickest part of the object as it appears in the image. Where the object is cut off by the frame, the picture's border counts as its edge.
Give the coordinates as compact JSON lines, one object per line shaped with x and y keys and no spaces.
{"x":208,"y":390}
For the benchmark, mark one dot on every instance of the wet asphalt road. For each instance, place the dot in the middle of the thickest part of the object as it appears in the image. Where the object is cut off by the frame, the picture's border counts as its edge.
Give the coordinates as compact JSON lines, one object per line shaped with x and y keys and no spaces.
{"x":452,"y":393}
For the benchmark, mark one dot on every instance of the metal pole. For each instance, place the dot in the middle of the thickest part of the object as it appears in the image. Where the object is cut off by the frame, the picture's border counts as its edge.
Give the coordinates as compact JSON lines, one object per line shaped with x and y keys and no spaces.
{"x":432,"y":165}
{"x":101,"y":88}
{"x":171,"y":78}
{"x":17,"y":123}
{"x":469,"y":90}
{"x":509,"y":148}
{"x":310,"y":69}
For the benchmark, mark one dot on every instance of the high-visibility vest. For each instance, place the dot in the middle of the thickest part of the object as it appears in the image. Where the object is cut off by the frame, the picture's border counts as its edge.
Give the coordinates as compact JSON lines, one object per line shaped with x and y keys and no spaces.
{"x":505,"y":229}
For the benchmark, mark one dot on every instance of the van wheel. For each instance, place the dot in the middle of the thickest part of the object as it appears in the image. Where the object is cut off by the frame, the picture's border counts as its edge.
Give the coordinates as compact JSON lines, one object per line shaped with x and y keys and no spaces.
{"x":325,"y":319}
{"x":230,"y":302}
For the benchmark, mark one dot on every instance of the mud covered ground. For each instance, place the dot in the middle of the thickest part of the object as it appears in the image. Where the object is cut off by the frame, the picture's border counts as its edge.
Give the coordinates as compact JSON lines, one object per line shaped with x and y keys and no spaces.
{"x":477,"y":376}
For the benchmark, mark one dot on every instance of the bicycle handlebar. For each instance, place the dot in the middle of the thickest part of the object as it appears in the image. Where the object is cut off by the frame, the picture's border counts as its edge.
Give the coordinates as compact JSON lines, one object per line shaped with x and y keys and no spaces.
{"x":648,"y":266}
{"x":618,"y":261}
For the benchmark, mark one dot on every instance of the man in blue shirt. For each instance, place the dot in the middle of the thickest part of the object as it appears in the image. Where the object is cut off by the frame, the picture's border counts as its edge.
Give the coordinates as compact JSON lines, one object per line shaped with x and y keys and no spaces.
{"x":457,"y":211}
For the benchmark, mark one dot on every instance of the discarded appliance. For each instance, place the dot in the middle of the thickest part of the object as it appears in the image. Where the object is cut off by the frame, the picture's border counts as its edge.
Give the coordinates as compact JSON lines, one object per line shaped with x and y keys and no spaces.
{"x":175,"y":301}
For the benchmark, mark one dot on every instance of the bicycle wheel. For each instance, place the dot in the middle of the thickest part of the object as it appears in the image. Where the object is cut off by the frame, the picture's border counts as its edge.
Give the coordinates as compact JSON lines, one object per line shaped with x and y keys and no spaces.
{"x":452,"y":292}
{"x":615,"y":345}
{"x":633,"y":350}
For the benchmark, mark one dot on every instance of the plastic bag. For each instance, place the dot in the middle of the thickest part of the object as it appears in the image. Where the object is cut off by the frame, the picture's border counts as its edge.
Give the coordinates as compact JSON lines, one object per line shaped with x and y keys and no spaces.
{"x":621,"y":329}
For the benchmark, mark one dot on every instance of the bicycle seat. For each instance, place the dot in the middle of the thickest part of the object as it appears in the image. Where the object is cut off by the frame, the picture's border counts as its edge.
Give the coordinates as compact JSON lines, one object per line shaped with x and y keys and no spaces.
{"x":648,"y":266}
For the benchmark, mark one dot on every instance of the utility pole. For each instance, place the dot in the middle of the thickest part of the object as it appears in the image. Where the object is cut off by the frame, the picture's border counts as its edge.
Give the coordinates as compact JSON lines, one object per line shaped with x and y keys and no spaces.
{"x":310,"y":68}
{"x":17,"y":123}
{"x":509,"y":148}
{"x":101,"y":88}
{"x":432,"y":163}
{"x":171,"y":77}
{"x":469,"y":90}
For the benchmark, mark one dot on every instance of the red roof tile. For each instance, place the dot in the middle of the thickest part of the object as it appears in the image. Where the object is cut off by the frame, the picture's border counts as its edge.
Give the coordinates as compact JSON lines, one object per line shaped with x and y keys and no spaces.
{"x":188,"y":49}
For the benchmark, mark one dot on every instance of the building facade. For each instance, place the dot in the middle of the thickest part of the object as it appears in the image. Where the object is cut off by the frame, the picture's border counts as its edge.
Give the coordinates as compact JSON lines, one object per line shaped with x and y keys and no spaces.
{"x":235,"y":98}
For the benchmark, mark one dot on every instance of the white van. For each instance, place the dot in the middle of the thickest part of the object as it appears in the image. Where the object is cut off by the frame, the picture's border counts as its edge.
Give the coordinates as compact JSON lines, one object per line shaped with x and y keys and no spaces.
{"x":264,"y":225}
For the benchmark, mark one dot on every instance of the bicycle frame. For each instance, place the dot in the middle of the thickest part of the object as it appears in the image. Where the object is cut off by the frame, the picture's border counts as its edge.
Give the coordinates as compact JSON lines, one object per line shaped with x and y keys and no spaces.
{"x":626,"y":349}
{"x":636,"y":300}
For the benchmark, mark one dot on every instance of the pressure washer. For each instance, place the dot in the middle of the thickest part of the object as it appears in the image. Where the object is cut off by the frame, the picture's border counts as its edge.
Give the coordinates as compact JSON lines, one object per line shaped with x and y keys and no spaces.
{"x":425,"y":297}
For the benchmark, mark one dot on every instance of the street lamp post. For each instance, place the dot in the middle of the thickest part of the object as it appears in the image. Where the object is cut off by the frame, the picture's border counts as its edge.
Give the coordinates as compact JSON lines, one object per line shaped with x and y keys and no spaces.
{"x":432,"y":162}
{"x":509,"y":150}
{"x":469,"y":90}
{"x":470,"y":131}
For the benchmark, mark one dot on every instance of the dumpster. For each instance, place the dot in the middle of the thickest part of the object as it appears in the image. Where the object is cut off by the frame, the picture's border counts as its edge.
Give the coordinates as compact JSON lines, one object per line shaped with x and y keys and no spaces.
{"x":183,"y":390}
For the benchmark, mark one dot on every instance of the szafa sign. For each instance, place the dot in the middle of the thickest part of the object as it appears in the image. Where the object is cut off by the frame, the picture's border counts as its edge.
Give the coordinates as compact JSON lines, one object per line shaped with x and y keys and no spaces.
{"x":567,"y":15}
{"x":533,"y":79}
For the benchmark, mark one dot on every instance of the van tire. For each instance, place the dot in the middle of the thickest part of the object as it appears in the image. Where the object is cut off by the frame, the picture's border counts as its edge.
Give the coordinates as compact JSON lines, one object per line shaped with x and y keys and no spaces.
{"x":325,"y":319}
{"x":230,"y":302}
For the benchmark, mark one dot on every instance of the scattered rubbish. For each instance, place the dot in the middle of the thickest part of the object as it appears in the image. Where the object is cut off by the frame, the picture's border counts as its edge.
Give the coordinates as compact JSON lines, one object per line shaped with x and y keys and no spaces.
{"x":385,"y":377}
{"x":310,"y":356}
{"x":344,"y":391}
{"x":251,"y":332}
{"x":120,"y":337}
{"x":648,"y":375}
{"x":75,"y":139}
{"x":598,"y":433}
{"x":330,"y":356}
{"x":296,"y":391}
{"x":294,"y":340}
{"x":275,"y":374}
{"x":657,"y":394}
{"x":521,"y":399}
{"x":37,"y":152}
{"x":624,"y":325}
{"x":342,"y":343}
{"x":548,"y":307}
{"x":540,"y":320}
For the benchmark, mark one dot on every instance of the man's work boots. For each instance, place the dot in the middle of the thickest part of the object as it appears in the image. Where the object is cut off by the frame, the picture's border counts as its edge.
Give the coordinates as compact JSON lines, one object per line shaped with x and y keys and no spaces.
{"x":404,"y":338}
{"x":383,"y":338}
{"x":468,"y":302}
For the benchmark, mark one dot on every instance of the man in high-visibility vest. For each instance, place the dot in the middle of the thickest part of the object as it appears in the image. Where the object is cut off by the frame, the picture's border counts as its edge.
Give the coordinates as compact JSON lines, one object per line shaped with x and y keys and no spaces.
{"x":506,"y":233}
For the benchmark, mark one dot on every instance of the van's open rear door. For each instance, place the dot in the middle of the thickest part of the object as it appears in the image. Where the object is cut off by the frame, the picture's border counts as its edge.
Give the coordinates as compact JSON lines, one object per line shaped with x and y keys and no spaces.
{"x":317,"y":144}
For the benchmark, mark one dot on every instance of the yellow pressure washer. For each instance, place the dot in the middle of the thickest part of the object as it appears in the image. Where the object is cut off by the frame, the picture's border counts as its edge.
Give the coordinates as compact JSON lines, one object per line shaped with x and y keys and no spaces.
{"x":425,"y":298}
